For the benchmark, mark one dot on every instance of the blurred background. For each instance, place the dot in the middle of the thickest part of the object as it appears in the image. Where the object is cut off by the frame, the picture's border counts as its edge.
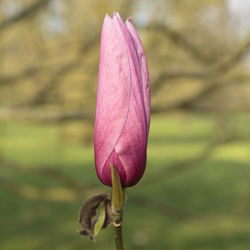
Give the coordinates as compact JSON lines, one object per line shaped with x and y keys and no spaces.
{"x":195,"y":193}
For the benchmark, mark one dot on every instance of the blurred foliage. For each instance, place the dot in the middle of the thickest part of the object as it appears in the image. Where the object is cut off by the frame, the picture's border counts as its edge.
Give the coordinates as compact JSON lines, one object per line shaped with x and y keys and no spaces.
{"x":195,"y":192}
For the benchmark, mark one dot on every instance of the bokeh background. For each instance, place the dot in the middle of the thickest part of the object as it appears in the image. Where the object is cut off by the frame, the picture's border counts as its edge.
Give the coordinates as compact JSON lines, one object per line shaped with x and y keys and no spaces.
{"x":195,"y":194}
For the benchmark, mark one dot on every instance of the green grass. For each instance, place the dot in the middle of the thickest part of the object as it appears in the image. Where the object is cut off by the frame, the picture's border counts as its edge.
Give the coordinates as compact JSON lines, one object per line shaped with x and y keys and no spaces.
{"x":214,"y":191}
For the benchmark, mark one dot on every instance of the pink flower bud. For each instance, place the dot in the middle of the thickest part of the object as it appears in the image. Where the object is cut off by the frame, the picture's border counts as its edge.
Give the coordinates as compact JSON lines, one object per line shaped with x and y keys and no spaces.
{"x":123,"y":103}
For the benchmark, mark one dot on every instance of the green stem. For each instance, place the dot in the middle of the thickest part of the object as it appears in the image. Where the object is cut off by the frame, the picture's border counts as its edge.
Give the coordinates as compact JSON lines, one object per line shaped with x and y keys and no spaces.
{"x":118,"y":236}
{"x":118,"y":195}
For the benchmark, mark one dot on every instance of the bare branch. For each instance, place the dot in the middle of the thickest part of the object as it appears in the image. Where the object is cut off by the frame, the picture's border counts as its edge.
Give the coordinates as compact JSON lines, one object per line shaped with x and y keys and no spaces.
{"x":184,"y":165}
{"x":54,"y":116}
{"x":190,"y":104}
{"x":178,"y":38}
{"x":42,"y":95}
{"x":233,"y":59}
{"x":50,"y":171}
{"x":33,"y":193}
{"x":222,"y":66}
{"x":160,"y":81}
{"x":13,"y":79}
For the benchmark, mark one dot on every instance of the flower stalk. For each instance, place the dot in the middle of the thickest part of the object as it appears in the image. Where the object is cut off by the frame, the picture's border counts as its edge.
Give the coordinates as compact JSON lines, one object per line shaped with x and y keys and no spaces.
{"x":118,"y":194}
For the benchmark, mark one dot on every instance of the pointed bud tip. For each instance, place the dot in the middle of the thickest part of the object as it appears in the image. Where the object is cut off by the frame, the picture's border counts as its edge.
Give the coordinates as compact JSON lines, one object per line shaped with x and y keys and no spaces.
{"x":129,"y":20}
{"x":107,"y":17}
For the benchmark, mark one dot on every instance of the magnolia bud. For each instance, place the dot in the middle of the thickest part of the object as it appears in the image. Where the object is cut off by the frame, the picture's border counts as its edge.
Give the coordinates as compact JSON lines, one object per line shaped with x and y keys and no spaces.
{"x":123,"y":103}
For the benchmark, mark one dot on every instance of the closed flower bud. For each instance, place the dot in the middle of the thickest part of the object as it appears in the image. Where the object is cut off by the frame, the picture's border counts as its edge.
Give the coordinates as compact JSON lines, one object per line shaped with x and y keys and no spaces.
{"x":123,"y":103}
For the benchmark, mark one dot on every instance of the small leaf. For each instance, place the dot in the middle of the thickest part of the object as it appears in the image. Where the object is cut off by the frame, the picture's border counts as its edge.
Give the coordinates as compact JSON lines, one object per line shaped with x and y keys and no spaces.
{"x":117,"y":193}
{"x":100,"y":221}
{"x":88,"y":213}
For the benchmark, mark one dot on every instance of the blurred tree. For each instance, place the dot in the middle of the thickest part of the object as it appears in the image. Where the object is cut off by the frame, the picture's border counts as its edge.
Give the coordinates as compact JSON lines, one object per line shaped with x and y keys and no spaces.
{"x":50,"y":49}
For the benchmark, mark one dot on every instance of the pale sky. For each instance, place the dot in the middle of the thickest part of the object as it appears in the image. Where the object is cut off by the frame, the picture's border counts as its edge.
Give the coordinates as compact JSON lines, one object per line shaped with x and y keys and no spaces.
{"x":240,"y":16}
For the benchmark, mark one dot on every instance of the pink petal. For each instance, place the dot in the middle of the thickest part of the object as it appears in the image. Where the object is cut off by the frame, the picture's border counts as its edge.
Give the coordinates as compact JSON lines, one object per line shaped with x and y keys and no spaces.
{"x":113,"y":93}
{"x":144,"y":67}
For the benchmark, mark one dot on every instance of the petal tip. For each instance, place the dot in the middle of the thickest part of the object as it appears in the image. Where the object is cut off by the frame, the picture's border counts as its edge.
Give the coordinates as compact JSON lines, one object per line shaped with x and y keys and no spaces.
{"x":107,"y":16}
{"x":107,"y":19}
{"x":129,"y":20}
{"x":117,"y":15}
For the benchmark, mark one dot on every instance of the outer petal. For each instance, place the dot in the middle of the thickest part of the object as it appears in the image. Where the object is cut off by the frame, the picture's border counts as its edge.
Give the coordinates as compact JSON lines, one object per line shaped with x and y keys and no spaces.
{"x":106,"y":173}
{"x":135,"y":67}
{"x":113,"y":93}
{"x":131,"y":147}
{"x":144,"y":68}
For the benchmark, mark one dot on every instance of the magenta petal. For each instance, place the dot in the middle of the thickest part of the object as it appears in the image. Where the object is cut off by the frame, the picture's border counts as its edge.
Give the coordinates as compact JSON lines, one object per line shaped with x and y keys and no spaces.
{"x":131,"y":146}
{"x":106,"y":173}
